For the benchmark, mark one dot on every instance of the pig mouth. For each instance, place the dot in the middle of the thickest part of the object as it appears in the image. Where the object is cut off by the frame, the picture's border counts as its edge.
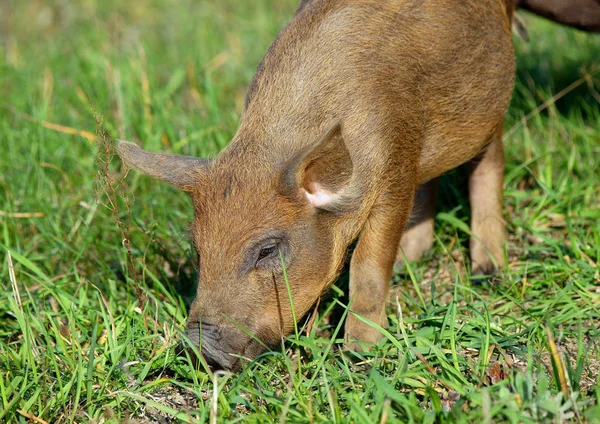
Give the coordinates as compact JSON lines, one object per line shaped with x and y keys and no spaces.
{"x":222,"y":351}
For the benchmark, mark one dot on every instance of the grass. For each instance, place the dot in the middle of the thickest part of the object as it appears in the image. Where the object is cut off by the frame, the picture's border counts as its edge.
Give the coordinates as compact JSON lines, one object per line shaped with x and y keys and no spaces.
{"x":77,"y":346}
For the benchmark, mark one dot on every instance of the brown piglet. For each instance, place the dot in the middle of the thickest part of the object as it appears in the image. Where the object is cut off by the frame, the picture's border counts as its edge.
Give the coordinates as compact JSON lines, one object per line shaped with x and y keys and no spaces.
{"x":355,"y":110}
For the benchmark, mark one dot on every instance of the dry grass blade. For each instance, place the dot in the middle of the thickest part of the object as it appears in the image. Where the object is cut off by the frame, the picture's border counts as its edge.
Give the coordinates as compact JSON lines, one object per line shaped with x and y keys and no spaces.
{"x":68,"y":130}
{"x":520,"y":28}
{"x":22,"y":214}
{"x":217,"y":61}
{"x":311,"y":320}
{"x":490,"y":352}
{"x":386,"y":411}
{"x":524,"y":281}
{"x":32,"y":417}
{"x":89,"y":136}
{"x":215,"y":395}
{"x":13,"y":282}
{"x":145,"y":84}
{"x":558,"y":363}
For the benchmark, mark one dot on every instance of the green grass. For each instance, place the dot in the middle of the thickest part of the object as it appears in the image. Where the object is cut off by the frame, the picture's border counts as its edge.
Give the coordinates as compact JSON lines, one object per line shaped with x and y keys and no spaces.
{"x":75,"y":345}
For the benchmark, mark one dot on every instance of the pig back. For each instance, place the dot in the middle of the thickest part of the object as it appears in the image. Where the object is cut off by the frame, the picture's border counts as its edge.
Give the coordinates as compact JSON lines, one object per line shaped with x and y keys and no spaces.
{"x":468,"y":83}
{"x":430,"y":78}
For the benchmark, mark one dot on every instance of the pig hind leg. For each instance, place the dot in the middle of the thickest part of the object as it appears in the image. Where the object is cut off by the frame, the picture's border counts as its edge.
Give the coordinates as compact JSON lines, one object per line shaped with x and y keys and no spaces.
{"x":486,"y":180}
{"x":418,"y":234}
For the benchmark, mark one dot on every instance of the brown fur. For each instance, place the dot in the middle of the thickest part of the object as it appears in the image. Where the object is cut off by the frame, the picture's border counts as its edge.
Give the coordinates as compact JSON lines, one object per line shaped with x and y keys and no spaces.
{"x":581,"y":14}
{"x":355,"y":105}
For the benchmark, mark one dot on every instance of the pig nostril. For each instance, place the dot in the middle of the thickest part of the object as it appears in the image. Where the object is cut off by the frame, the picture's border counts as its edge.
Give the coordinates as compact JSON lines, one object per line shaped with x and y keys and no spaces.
{"x":212,"y":345}
{"x":200,"y":324}
{"x":197,"y":331}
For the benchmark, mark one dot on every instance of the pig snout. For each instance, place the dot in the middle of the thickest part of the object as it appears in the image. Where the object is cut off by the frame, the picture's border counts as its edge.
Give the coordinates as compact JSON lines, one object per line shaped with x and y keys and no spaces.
{"x":220,"y":347}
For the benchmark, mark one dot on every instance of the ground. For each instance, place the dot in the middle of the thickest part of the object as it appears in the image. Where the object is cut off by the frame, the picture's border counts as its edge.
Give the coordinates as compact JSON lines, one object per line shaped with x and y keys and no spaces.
{"x":83,"y":339}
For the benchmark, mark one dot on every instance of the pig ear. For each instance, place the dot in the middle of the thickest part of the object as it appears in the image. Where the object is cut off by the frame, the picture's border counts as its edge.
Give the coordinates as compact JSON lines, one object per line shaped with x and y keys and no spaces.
{"x":322,"y":174}
{"x":181,"y":171}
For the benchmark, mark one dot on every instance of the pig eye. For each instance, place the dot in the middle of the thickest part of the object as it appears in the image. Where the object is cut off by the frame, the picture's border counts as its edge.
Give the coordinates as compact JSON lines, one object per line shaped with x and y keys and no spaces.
{"x":267,"y":251}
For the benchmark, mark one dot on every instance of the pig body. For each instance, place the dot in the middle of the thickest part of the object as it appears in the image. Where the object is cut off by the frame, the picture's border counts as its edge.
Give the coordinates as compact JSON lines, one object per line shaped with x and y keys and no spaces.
{"x":355,"y":110}
{"x":580,"y":14}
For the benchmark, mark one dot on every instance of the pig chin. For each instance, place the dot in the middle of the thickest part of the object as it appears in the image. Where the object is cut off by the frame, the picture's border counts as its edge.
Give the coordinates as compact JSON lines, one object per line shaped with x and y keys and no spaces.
{"x":223,"y":349}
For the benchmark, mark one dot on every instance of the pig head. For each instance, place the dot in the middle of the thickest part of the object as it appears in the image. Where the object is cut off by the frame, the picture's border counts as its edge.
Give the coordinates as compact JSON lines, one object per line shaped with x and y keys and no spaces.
{"x":259,"y":229}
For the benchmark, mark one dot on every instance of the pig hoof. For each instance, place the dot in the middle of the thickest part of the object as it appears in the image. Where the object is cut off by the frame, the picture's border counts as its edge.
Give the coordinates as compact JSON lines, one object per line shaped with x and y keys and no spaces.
{"x":484,"y":270}
{"x":482,"y":274}
{"x":360,"y":333}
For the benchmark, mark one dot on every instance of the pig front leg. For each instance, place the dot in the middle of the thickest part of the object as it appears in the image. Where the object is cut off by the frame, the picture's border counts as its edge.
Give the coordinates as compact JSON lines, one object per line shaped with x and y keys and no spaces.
{"x":486,"y":181}
{"x":372,"y":264}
